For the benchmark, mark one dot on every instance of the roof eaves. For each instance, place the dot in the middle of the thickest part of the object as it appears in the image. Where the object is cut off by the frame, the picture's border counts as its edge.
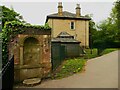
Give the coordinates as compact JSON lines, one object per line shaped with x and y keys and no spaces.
{"x":60,"y":17}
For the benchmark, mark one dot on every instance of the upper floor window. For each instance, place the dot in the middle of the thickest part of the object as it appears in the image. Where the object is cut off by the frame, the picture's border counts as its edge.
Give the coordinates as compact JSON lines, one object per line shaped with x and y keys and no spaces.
{"x":72,"y":25}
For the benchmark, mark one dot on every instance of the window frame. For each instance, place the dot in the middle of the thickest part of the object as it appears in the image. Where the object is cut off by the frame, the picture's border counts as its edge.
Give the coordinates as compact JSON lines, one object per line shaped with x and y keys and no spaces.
{"x":72,"y":26}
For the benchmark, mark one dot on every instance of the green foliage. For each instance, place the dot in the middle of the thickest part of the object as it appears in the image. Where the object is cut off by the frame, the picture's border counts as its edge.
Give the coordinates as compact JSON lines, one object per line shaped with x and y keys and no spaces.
{"x":70,"y":67}
{"x":117,"y":7}
{"x":90,"y":53}
{"x":108,"y":31}
{"x":108,"y":50}
{"x":92,"y":31}
{"x":11,"y":30}
{"x":8,"y":15}
{"x":0,"y":15}
{"x":12,"y":25}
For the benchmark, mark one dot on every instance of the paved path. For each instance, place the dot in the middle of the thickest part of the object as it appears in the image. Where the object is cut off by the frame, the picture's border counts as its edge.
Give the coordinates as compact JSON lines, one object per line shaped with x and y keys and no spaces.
{"x":101,"y":72}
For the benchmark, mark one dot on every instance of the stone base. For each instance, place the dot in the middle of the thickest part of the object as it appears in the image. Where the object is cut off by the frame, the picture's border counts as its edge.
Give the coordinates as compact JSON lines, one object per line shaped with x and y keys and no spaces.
{"x":23,"y":72}
{"x":32,"y":81}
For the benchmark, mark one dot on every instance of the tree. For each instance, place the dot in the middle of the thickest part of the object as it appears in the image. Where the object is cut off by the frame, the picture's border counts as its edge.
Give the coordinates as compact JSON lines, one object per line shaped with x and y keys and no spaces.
{"x":106,"y":33}
{"x":109,"y":30}
{"x":117,"y":7}
{"x":92,"y":30}
{"x":10,"y":15}
{"x":7,"y":15}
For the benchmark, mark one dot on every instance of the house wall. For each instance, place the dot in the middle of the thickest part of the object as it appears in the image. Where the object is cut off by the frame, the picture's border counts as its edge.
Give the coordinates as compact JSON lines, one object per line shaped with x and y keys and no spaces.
{"x":81,"y":31}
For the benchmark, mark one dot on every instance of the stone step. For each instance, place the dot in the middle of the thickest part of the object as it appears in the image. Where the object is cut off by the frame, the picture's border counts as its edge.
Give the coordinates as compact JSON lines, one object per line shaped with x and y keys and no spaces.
{"x":32,"y":81}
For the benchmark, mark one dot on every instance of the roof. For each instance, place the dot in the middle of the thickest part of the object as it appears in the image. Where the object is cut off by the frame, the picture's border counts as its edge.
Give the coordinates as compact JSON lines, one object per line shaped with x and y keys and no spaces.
{"x":65,"y":37}
{"x":67,"y":15}
{"x":65,"y":40}
{"x":64,"y":34}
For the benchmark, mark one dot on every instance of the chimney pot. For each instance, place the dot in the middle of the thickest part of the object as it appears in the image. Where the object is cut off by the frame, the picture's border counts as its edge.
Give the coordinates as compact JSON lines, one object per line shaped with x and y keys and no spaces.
{"x":78,"y":5}
{"x":60,"y":8}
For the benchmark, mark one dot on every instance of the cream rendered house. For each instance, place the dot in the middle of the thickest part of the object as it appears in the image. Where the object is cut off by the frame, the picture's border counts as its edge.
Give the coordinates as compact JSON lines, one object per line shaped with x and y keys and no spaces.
{"x":74,"y":24}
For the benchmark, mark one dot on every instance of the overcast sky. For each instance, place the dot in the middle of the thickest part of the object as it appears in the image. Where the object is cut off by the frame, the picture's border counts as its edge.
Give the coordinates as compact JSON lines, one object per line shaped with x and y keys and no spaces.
{"x":36,"y":12}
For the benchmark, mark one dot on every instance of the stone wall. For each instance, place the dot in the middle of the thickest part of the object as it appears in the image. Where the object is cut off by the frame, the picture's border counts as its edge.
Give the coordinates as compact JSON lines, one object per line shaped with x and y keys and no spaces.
{"x":29,"y":61}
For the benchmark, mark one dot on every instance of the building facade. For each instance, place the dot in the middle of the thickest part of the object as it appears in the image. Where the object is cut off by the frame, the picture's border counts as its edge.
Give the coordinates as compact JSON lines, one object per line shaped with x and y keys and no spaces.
{"x":74,"y":24}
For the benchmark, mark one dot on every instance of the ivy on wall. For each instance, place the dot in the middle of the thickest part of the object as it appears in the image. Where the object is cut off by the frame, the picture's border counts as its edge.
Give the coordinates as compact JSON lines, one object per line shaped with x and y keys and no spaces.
{"x":11,"y":30}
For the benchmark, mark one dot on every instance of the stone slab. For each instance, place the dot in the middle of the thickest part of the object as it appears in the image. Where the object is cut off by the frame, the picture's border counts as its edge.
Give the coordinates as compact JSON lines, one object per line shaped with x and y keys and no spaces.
{"x":32,"y":81}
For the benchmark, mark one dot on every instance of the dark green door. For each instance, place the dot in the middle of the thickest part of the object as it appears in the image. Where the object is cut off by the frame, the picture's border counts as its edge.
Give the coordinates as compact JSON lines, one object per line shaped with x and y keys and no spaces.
{"x":57,"y":55}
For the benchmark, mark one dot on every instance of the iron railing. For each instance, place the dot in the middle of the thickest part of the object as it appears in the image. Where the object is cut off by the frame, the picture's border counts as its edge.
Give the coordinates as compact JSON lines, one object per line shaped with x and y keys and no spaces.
{"x":7,"y":75}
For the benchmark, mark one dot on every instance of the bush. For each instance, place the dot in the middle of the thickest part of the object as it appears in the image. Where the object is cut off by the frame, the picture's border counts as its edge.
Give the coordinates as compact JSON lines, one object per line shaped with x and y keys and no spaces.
{"x":70,"y":67}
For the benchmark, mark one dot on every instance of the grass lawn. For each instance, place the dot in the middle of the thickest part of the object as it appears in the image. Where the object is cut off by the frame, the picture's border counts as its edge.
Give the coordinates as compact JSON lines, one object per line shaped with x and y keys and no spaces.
{"x":90,"y":53}
{"x":108,"y":50}
{"x":69,"y":67}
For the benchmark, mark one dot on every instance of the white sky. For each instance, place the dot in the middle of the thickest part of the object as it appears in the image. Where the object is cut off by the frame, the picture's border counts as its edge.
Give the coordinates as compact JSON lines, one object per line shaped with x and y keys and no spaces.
{"x":35,"y":11}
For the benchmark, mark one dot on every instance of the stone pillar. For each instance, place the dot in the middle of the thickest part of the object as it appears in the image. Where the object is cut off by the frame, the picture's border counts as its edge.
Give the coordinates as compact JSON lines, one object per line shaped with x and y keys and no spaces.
{"x":21,"y":55}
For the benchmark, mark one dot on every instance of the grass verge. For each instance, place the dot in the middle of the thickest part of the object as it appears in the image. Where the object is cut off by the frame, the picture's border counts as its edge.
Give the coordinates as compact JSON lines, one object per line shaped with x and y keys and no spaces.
{"x":108,"y":50}
{"x":92,"y":53}
{"x":70,"y":67}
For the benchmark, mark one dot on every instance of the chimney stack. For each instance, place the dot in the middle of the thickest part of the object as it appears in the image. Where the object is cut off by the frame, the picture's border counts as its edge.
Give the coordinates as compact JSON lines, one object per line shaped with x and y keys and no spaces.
{"x":60,"y":8}
{"x":78,"y":10}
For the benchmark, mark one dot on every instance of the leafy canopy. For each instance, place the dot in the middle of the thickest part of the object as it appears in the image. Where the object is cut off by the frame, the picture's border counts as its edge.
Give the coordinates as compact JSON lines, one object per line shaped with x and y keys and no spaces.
{"x":108,"y":31}
{"x":12,"y":26}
